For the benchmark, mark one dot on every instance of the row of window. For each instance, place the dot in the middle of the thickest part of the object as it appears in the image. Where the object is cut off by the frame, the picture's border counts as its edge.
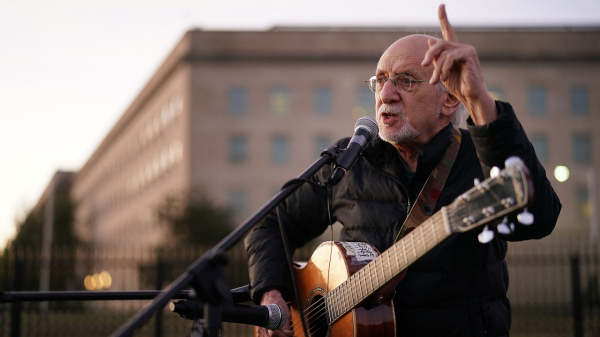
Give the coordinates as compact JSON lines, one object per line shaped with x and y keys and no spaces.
{"x":154,"y":126}
{"x":161,"y":162}
{"x":537,"y":99}
{"x":168,"y":111}
{"x":581,"y":148}
{"x":280,"y":101}
{"x":280,"y":148}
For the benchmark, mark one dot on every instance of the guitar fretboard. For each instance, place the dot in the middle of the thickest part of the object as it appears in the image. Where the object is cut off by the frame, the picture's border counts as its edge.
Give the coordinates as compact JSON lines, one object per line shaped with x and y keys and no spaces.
{"x":387,"y":265}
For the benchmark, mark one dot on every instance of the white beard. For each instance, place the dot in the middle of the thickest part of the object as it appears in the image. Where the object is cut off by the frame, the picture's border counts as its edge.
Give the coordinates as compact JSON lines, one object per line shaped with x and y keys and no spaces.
{"x":406,"y":132}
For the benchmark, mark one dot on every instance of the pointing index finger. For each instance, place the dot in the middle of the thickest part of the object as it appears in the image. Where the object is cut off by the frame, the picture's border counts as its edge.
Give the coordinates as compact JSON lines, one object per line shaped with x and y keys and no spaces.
{"x":447,"y":30}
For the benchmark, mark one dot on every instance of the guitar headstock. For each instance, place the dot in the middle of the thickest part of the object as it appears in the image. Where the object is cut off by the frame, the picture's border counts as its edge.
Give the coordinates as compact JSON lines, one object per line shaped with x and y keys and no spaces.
{"x":505,"y":192}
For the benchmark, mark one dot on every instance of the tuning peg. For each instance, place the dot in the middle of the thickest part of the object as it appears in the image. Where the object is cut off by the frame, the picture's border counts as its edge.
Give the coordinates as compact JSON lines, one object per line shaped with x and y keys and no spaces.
{"x":486,"y":236}
{"x":525,"y":218}
{"x":511,"y":161}
{"x":476,"y":182}
{"x":494,"y":172}
{"x":505,"y":228}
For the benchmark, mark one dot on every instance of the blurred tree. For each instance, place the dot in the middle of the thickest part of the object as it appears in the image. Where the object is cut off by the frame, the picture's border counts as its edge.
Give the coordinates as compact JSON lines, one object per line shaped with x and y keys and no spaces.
{"x":28,"y":240}
{"x":197,"y":221}
{"x":30,"y":228}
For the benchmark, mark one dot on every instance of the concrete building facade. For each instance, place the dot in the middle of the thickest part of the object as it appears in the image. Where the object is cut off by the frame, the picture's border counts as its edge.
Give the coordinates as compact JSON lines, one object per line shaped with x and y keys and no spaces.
{"x":236,"y":114}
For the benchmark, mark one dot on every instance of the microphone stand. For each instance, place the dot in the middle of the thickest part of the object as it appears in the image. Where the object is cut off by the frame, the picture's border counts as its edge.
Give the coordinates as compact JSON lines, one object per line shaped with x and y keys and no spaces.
{"x":35,"y":296}
{"x":238,"y":295}
{"x":206,"y":275}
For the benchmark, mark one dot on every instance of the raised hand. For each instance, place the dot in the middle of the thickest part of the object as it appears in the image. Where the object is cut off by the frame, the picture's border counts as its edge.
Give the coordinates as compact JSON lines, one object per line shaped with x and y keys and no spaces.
{"x":457,"y":66}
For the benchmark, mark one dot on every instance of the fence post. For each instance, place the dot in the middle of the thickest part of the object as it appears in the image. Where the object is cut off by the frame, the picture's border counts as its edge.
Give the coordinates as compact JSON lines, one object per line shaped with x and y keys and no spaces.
{"x":160,"y":276}
{"x":576,"y":292}
{"x":15,"y":319}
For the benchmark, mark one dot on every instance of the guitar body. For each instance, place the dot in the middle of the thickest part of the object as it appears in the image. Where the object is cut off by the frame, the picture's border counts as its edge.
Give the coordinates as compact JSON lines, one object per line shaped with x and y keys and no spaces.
{"x":312,"y":284}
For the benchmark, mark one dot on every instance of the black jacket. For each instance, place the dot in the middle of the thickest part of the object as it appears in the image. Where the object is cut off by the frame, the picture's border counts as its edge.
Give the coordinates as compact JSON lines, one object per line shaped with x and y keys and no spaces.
{"x":458,"y":288}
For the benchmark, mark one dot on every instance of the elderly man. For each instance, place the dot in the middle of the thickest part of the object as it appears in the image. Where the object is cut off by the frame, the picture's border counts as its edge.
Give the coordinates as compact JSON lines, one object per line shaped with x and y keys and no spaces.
{"x":458,"y":288}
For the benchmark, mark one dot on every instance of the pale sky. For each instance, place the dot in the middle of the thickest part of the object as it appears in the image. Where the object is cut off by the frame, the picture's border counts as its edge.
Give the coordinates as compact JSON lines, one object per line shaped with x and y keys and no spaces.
{"x":69,"y":69}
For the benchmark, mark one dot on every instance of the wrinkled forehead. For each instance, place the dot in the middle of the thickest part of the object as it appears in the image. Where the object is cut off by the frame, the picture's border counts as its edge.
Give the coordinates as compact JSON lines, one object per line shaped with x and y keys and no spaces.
{"x":405,"y":56}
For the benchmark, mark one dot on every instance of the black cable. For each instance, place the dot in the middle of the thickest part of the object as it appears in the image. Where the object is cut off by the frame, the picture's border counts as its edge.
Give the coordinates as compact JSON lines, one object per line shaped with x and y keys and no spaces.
{"x":288,"y":255}
{"x":304,"y":180}
{"x":329,"y":207}
{"x":291,"y":266}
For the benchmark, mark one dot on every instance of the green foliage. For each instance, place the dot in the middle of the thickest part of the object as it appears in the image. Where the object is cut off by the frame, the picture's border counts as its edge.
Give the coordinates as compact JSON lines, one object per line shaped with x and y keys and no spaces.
{"x":25,"y":249}
{"x":30,"y":229}
{"x":198,"y":222}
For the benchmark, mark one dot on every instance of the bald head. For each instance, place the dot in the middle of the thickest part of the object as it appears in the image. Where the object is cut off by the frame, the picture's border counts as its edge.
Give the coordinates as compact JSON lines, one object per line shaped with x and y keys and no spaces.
{"x":409,"y":49}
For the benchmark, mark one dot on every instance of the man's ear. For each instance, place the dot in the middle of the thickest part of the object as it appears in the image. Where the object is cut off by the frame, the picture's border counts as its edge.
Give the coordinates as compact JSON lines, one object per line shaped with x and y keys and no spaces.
{"x":450,"y":104}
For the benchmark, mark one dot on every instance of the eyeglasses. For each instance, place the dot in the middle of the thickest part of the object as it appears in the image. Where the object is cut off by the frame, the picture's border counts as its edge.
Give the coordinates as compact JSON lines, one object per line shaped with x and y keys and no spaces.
{"x":401,"y":81}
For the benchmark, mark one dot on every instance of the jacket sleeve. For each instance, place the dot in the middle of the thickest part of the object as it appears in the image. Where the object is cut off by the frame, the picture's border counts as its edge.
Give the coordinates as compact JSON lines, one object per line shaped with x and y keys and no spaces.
{"x":304,"y":217}
{"x":505,"y":137}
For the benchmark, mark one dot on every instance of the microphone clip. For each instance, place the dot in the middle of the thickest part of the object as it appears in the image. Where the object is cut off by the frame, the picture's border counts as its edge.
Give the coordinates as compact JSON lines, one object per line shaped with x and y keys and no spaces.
{"x":332,"y":153}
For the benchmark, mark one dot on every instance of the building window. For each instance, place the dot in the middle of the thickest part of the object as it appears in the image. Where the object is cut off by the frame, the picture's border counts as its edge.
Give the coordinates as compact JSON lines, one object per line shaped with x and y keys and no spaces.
{"x":280,"y":101}
{"x":321,"y":144}
{"x":238,"y":201}
{"x":322,"y":100}
{"x":536,"y":99}
{"x":280,"y":150}
{"x":237,"y":99}
{"x":582,"y":203}
{"x":497,"y":93}
{"x":238,"y":149}
{"x":582,"y":149}
{"x":540,"y":144}
{"x":580,"y":104}
{"x":366,"y":103}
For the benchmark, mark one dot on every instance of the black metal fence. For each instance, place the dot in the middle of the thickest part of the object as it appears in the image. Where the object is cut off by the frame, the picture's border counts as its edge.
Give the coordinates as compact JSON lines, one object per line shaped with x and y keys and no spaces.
{"x":554,"y":289}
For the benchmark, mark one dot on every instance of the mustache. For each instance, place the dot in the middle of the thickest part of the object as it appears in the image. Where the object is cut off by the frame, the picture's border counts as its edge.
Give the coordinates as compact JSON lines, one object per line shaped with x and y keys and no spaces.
{"x":386,"y":108}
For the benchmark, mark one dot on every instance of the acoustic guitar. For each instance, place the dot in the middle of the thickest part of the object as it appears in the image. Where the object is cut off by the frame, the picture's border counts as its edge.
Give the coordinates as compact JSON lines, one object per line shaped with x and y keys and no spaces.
{"x":347,"y":287}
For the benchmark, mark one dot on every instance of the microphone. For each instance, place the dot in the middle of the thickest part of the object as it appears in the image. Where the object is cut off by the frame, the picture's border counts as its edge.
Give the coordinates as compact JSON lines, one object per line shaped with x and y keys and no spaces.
{"x":365,"y":129}
{"x":270,"y":316}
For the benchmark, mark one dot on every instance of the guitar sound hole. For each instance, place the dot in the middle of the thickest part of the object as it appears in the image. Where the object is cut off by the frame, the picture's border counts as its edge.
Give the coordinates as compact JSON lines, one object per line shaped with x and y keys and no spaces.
{"x":317,"y":317}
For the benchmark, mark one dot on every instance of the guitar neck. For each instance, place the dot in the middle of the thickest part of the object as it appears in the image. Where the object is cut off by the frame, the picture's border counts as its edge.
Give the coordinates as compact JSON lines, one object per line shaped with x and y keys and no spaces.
{"x":388,"y":265}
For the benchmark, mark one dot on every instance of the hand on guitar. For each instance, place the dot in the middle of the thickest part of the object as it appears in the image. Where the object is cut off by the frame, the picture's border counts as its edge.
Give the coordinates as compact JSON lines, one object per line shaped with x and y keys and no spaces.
{"x":274,"y":297}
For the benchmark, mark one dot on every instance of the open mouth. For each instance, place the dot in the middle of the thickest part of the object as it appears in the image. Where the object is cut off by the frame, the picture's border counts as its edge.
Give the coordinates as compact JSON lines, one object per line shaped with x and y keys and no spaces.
{"x":388,"y":117}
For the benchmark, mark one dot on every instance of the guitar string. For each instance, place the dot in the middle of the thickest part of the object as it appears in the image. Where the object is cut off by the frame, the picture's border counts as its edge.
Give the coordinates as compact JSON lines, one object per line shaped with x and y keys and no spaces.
{"x":306,"y":312}
{"x":315,"y":318}
{"x":349,"y":285}
{"x":427,"y":236}
{"x":322,"y":306}
{"x":309,"y":312}
{"x":315,"y":309}
{"x":315,"y":306}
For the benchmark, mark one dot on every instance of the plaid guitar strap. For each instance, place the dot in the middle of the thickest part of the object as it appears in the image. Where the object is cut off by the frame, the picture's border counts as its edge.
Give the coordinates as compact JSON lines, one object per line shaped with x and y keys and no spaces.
{"x":432,"y":189}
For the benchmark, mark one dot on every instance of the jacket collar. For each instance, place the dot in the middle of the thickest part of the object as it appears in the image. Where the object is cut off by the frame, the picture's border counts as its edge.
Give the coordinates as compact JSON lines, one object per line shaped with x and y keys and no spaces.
{"x":385,"y":157}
